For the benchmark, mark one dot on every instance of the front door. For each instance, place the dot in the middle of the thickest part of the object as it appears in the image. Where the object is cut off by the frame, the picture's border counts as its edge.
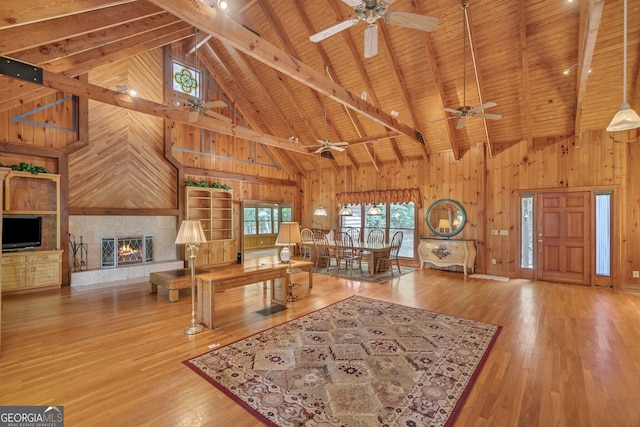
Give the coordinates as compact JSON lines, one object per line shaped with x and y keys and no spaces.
{"x":564,"y":226}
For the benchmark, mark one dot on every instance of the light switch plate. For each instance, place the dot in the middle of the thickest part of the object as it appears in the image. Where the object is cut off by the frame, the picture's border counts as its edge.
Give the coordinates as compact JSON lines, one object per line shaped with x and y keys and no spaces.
{"x":504,"y":232}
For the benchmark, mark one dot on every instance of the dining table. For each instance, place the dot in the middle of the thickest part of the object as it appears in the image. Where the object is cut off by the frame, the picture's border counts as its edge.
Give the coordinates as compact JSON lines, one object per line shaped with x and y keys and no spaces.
{"x":371,"y":252}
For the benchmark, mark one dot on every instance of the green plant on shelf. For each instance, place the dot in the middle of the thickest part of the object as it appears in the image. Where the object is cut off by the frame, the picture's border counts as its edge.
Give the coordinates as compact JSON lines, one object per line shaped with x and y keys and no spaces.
{"x":26,"y":167}
{"x":205,"y":184}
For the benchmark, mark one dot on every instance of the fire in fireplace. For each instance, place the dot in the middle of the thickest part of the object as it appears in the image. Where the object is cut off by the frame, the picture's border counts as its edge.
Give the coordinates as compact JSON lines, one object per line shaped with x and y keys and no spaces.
{"x":122,"y":251}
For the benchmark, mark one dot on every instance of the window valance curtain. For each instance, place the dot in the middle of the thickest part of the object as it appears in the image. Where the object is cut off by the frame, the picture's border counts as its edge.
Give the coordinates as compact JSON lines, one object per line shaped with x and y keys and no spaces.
{"x":381,"y":196}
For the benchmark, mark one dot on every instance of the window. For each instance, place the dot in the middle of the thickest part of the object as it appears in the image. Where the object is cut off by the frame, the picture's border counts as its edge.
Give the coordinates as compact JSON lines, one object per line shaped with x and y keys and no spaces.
{"x":395,"y":217}
{"x":185,"y":79}
{"x":265,"y":218}
{"x":526,"y":235}
{"x":603,"y":234}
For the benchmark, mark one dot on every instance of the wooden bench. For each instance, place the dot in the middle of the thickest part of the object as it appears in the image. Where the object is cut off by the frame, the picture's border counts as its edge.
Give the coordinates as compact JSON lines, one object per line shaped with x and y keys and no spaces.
{"x":174,"y":280}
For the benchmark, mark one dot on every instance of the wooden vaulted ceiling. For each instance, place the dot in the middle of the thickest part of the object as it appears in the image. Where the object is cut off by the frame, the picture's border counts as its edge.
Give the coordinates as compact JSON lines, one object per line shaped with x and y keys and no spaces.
{"x":293,"y":92}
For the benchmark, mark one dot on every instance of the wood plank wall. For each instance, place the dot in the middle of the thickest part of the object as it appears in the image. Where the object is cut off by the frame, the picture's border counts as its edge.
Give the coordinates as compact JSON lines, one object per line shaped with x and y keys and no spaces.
{"x":124,"y":166}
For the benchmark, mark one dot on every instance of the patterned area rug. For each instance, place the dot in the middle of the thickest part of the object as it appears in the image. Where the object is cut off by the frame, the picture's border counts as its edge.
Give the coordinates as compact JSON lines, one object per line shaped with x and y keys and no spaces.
{"x":358,"y":362}
{"x":363,"y":277}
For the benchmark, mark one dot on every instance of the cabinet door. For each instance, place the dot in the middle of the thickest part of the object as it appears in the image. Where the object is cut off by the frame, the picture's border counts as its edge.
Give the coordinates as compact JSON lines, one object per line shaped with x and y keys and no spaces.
{"x":13,"y":273}
{"x":43,"y":270}
{"x":229,"y":253}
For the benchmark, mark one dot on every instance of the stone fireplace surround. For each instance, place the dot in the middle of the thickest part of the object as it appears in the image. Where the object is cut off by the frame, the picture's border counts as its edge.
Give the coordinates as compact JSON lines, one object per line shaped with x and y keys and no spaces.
{"x":93,"y":227}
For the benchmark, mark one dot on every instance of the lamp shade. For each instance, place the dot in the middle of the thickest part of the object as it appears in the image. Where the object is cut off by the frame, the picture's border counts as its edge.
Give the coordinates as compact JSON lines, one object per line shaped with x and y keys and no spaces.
{"x":374,"y":210}
{"x":625,"y":119}
{"x":444,"y":223}
{"x":320,"y":211}
{"x":190,"y":232}
{"x":345,"y":211}
{"x":288,"y":234}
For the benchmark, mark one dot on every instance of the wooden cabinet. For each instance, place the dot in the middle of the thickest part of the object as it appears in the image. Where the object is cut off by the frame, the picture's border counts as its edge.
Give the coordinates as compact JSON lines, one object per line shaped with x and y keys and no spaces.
{"x":445,"y":253}
{"x":30,"y":270}
{"x":214,"y":208}
{"x":35,"y":195}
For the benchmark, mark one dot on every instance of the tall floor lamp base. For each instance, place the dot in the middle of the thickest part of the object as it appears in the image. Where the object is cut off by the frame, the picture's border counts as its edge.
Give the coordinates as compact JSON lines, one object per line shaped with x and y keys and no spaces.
{"x":193,"y":329}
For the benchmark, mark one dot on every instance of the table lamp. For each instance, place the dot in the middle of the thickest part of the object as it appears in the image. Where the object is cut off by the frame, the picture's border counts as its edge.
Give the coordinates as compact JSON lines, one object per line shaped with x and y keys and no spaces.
{"x":191,"y":235}
{"x":289,"y":234}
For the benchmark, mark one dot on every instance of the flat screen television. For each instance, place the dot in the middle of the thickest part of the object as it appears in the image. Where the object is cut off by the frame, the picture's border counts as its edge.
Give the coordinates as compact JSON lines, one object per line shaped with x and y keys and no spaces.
{"x":21,"y":232}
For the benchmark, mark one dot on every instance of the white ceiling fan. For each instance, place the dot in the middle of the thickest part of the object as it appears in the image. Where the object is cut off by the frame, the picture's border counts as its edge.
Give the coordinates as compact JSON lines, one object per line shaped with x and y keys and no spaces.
{"x":196,"y":106}
{"x":328,"y":145}
{"x":370,"y":11}
{"x":466,"y":111}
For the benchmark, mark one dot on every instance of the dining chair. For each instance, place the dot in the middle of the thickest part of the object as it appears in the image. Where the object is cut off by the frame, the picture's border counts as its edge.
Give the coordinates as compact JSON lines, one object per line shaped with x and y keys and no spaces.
{"x":354,"y":233}
{"x":347,"y":253}
{"x":376,"y":236}
{"x":323,"y":250}
{"x":391,"y":257}
{"x":306,"y":236}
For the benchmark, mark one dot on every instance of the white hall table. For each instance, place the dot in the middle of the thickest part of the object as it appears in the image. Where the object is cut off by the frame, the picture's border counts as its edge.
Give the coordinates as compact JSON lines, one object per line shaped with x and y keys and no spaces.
{"x":371,"y":251}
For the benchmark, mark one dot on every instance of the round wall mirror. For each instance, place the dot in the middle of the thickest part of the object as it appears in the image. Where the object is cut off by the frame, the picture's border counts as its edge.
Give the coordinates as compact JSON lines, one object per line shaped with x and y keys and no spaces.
{"x":446,"y":218}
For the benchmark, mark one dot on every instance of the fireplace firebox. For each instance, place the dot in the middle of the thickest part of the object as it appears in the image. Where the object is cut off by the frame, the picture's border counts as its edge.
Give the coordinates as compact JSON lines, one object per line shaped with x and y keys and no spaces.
{"x":123,"y":251}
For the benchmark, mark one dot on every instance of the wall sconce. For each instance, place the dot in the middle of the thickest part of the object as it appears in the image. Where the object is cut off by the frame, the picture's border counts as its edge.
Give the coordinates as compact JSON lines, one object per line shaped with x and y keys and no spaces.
{"x":568,"y":70}
{"x":126,"y":90}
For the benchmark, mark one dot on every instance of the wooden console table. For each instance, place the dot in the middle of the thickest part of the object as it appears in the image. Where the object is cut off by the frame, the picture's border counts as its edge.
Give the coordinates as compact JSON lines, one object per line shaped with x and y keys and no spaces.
{"x":444,"y":253}
{"x":174,"y":280}
{"x":229,"y":277}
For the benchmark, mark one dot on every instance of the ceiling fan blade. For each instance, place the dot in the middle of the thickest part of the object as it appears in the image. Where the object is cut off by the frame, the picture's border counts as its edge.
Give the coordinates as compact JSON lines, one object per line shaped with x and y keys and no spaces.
{"x":193,"y":116}
{"x":214,"y":104}
{"x":411,"y":20}
{"x":461,"y":122}
{"x":483,"y":107}
{"x":353,"y":3}
{"x":320,"y":150}
{"x":328,"y":32}
{"x":371,"y":41}
{"x":486,"y":116}
{"x":442,"y":119}
{"x":340,"y":144}
{"x":337,"y":148}
{"x":217,"y":116}
{"x":451,"y":110}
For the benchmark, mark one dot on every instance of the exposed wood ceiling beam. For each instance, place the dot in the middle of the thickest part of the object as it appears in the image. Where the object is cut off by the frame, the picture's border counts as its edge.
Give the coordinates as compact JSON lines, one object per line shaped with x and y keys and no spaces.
{"x":21,"y":12}
{"x":284,"y":159}
{"x":83,"y":62}
{"x":590,"y":23}
{"x":53,"y":30}
{"x":275,"y":22}
{"x":216,"y":24}
{"x":70,"y":85}
{"x":50,"y":52}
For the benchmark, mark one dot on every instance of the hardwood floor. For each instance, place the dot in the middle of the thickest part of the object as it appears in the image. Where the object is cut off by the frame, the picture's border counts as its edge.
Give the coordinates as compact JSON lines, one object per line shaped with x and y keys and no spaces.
{"x":111,"y":355}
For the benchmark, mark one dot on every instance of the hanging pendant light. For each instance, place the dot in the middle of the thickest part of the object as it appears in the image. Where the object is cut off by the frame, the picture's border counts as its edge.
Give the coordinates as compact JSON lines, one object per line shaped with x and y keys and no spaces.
{"x":626,"y":118}
{"x":344,"y":210}
{"x":374,"y":210}
{"x":320,"y":211}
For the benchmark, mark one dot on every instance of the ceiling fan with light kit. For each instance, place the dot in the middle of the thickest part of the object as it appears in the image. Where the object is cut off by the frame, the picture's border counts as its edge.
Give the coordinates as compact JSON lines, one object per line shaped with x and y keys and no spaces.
{"x":465,"y":110}
{"x":370,"y":11}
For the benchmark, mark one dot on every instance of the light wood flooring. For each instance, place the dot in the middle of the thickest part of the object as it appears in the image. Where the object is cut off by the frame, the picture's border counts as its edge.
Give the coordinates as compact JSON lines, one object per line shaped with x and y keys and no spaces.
{"x":111,"y":355}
